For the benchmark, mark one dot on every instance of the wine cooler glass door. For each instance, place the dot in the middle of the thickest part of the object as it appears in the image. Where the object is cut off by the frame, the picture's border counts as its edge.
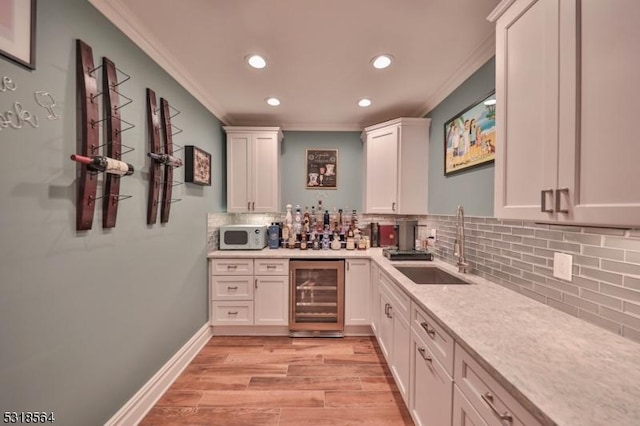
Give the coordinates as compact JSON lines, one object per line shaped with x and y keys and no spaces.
{"x":317,"y":290}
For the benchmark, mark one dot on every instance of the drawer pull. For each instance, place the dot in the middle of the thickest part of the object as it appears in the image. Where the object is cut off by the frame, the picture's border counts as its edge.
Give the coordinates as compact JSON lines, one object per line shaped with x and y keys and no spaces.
{"x":232,"y":313}
{"x":386,"y":310}
{"x":232,"y":288}
{"x":232,"y":267}
{"x":430,"y":331}
{"x":505,"y":418}
{"x":271,"y":266}
{"x":423,"y":352}
{"x":389,"y":312}
{"x":543,"y":200}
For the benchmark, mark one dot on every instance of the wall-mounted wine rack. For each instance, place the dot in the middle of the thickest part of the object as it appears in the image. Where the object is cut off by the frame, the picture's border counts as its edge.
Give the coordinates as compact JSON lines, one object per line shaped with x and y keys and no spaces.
{"x":156,"y":123}
{"x":88,"y":123}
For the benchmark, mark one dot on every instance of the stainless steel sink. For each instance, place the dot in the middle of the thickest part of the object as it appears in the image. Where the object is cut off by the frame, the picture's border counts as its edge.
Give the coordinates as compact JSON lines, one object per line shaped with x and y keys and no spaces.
{"x":429,"y":275}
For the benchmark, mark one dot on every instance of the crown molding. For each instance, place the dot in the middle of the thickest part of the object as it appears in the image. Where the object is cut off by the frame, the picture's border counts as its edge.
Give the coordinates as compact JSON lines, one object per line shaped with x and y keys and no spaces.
{"x":481,"y":55}
{"x":119,"y":14}
{"x":322,"y":127}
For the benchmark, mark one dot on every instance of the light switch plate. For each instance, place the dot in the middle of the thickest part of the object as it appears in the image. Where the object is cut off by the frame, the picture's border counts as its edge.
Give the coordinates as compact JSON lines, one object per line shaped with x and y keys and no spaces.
{"x":562,"y":266}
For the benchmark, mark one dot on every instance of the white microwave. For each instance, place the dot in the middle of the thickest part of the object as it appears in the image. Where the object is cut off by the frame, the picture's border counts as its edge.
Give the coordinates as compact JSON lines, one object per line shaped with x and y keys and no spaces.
{"x":243,"y":237}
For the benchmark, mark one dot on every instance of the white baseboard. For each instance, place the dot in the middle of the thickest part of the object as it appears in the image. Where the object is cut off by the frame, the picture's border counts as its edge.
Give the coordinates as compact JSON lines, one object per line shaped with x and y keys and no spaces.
{"x":141,"y":403}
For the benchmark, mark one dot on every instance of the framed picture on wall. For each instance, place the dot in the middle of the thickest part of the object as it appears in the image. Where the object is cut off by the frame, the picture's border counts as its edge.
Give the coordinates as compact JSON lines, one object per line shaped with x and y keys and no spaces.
{"x":18,"y":31}
{"x":322,"y":169}
{"x":197,"y":166}
{"x":470,"y":137}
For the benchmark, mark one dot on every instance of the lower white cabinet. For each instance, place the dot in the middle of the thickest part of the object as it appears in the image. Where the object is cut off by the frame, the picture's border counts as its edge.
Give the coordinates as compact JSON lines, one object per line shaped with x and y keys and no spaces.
{"x":261,"y":298}
{"x":357,"y":290}
{"x":430,"y":397}
{"x":375,"y":298}
{"x":491,"y":401}
{"x":394,"y":332}
{"x":463,"y":412}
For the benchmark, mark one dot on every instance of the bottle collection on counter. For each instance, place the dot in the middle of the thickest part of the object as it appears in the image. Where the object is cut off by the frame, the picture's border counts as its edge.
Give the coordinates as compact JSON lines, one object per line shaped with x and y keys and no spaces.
{"x":318,"y":230}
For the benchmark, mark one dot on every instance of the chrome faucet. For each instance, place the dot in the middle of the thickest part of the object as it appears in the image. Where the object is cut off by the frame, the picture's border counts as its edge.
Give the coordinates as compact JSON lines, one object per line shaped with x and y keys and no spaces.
{"x":458,"y":245}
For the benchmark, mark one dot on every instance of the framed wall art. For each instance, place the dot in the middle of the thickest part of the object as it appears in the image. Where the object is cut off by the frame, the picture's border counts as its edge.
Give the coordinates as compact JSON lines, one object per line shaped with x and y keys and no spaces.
{"x":322,"y":169}
{"x":18,"y":31}
{"x":470,"y":137}
{"x":197,"y":166}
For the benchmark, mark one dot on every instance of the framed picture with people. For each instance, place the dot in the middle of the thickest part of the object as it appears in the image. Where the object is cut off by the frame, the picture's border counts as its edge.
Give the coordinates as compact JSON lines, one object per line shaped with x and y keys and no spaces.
{"x":322,"y":169}
{"x":470,"y":137}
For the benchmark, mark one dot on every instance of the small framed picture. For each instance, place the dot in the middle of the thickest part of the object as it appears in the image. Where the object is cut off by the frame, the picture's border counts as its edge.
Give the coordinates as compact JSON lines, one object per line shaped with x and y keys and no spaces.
{"x":18,"y":31}
{"x":197,"y":166}
{"x":470,"y":137}
{"x":322,"y":169}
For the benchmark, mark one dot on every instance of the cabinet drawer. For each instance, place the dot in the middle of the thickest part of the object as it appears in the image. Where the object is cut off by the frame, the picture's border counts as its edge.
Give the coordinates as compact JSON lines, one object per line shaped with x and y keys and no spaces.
{"x":486,"y":395}
{"x":399,"y":300}
{"x":232,"y":267}
{"x":232,"y":287}
{"x":230,"y":313}
{"x":463,"y":412}
{"x":271,"y":267}
{"x":434,"y":336}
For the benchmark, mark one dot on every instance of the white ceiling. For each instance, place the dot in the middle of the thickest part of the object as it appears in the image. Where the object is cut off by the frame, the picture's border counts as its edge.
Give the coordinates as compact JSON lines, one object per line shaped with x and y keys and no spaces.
{"x":318,"y":54}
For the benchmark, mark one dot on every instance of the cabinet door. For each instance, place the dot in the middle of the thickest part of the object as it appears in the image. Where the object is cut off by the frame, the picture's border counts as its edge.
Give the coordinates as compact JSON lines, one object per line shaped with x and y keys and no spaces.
{"x":599,"y":76}
{"x":385,"y":329}
{"x":431,"y":386}
{"x":264,"y":173}
{"x":238,"y":166}
{"x":527,"y":109}
{"x":375,"y":296}
{"x":357,"y":292}
{"x":271,"y":300}
{"x":381,"y":170}
{"x":463,"y":412}
{"x":400,"y":367}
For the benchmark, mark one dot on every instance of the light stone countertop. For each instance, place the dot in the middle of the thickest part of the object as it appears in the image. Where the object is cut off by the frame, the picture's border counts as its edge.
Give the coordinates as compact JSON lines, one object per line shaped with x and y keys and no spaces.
{"x":564,"y":370}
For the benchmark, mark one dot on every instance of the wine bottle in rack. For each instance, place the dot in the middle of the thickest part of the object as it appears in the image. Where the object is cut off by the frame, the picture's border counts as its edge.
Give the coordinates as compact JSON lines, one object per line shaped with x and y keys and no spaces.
{"x":166,"y":159}
{"x":99,"y":163}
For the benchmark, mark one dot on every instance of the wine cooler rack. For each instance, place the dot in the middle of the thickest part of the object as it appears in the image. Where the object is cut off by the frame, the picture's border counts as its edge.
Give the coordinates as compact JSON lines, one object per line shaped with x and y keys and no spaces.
{"x":317,"y":297}
{"x":88,"y":135}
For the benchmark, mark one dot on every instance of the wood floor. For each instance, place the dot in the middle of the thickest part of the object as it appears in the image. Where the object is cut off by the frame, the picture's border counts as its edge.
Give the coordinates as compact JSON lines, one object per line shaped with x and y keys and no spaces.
{"x":284,"y":381}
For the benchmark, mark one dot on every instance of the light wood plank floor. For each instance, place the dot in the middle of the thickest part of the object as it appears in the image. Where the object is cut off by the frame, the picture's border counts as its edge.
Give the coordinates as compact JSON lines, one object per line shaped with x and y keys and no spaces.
{"x":284,"y":381}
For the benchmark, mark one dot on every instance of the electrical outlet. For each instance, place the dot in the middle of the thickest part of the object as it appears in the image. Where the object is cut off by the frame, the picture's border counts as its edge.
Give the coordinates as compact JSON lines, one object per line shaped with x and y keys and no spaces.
{"x":562,"y":266}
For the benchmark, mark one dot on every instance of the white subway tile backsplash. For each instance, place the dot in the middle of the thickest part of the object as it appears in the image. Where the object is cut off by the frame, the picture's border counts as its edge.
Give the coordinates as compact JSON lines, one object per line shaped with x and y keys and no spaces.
{"x":624,"y":243}
{"x":601,"y":299}
{"x":567,"y":247}
{"x":620,"y":292}
{"x":579,"y":303}
{"x":631,"y":282}
{"x":535,"y":242}
{"x":605,"y":253}
{"x":631,"y":308}
{"x":623,"y":268}
{"x":633,"y":257}
{"x":549,"y":235}
{"x":594,"y":240}
{"x":601,"y":275}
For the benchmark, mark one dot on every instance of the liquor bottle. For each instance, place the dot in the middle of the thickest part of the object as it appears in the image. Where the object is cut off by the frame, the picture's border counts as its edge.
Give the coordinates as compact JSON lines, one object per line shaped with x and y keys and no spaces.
{"x":166,"y":159}
{"x":327,"y":218}
{"x":313,"y":218}
{"x":303,"y":241}
{"x":335,"y":243}
{"x":326,"y":241}
{"x":99,"y":163}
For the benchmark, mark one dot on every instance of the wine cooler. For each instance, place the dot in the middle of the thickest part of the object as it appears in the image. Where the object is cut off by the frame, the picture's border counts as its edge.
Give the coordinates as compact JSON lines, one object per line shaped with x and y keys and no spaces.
{"x":317,"y":298}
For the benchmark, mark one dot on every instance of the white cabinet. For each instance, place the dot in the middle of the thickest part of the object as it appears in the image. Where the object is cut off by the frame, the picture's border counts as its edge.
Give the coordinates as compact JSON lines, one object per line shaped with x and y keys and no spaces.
{"x":463,"y":412}
{"x":492,"y":402}
{"x":375,"y":298}
{"x":253,"y":183}
{"x":564,"y":103}
{"x":249,"y":292}
{"x":430,"y":396}
{"x":394,"y":332}
{"x":357,"y":292}
{"x":396,"y":175}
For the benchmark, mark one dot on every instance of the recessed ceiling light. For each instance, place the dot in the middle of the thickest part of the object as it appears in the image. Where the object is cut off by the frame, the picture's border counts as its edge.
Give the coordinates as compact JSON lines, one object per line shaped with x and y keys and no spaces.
{"x":490,"y":102}
{"x":273,"y":101}
{"x":256,"y":61}
{"x":381,"y":61}
{"x":364,"y":102}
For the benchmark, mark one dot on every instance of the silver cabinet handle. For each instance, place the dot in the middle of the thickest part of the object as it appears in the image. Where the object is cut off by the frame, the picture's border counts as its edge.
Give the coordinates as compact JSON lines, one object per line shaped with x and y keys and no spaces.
{"x":232,"y":288}
{"x":543,"y":200}
{"x":248,"y":205}
{"x":487,"y":397}
{"x":431,"y":332}
{"x":253,"y":205}
{"x":232,"y":313}
{"x":559,"y":192}
{"x":386,"y":310}
{"x":232,"y":266}
{"x":271,"y":266}
{"x":255,"y":283}
{"x":393,"y":206}
{"x":423,"y":352}
{"x":390,"y":310}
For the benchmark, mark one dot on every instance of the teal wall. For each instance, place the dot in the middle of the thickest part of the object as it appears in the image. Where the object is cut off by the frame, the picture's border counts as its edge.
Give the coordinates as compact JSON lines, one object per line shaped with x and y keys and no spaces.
{"x":86,"y":318}
{"x":349,"y":193}
{"x":473,"y":188}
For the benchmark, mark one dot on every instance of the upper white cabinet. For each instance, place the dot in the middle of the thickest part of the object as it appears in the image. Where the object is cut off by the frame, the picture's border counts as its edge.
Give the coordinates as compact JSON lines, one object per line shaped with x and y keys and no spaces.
{"x":253,"y":183}
{"x":566,"y":76}
{"x":396,"y":172}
